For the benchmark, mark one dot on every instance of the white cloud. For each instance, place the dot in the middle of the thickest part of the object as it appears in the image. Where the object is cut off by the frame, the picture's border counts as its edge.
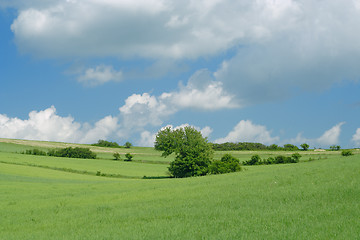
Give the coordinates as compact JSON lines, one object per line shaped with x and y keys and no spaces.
{"x":201,"y":92}
{"x":331,"y":136}
{"x":278,"y":45}
{"x":143,"y":109}
{"x":246,"y":131}
{"x":356,"y":137}
{"x":328,"y":138}
{"x":147,"y":139}
{"x":102,"y":129}
{"x":100,"y":75}
{"x":46,"y":125}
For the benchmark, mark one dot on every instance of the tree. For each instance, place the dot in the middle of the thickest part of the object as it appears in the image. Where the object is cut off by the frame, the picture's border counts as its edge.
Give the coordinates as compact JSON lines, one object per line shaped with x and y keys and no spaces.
{"x":335,"y":148}
{"x":290,"y":147}
{"x":305,"y":146}
{"x":117,"y":156}
{"x":193,"y":153}
{"x":128,"y":145}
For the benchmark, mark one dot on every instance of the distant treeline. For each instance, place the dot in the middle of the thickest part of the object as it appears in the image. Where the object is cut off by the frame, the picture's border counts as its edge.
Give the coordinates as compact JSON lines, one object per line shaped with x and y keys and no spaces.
{"x":229,"y":146}
{"x":104,"y":143}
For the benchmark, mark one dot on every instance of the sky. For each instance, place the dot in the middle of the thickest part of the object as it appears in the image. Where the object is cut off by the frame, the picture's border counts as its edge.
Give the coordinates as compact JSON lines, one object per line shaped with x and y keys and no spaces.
{"x":268,"y":71}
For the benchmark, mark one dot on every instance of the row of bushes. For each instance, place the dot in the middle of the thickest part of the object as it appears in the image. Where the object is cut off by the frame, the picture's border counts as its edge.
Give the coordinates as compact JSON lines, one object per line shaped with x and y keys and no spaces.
{"x":256,"y":159}
{"x":229,"y":146}
{"x":68,"y":152}
{"x":104,"y":143}
{"x":128,"y":156}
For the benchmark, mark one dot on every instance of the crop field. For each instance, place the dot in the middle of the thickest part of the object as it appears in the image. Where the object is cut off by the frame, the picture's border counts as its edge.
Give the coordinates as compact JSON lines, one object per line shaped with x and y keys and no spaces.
{"x":61,"y":198}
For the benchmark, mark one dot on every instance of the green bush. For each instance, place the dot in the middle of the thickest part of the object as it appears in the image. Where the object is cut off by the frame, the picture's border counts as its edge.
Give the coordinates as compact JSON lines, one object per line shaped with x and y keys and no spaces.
{"x":255,"y":160}
{"x":117,"y":156}
{"x":35,"y":151}
{"x":128,"y":157}
{"x":227,"y":164}
{"x":346,"y":152}
{"x":103,"y":143}
{"x":70,"y":152}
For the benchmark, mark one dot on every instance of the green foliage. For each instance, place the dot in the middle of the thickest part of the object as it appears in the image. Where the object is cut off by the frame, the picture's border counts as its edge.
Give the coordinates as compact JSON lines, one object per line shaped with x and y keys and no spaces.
{"x":346,"y":152}
{"x":128,"y":157}
{"x":335,"y":148}
{"x":128,"y":145}
{"x":290,"y":147}
{"x":256,"y":160}
{"x":71,"y":152}
{"x":227,"y":164}
{"x":193,"y":153}
{"x":305,"y":146}
{"x":103,"y":143}
{"x":117,"y":156}
{"x":228,"y":146}
{"x":34,"y":151}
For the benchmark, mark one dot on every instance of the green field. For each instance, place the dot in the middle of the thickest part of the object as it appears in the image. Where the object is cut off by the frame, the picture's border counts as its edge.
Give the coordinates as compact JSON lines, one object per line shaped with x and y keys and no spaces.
{"x":42,"y":199}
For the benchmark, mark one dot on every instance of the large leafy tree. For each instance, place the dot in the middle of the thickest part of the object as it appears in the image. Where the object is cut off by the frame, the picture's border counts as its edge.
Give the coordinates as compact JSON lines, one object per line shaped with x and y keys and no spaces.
{"x":305,"y":146}
{"x":193,"y":152}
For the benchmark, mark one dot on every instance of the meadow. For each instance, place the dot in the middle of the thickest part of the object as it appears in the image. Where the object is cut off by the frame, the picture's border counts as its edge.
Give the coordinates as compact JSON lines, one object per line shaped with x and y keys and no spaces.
{"x":41,"y":198}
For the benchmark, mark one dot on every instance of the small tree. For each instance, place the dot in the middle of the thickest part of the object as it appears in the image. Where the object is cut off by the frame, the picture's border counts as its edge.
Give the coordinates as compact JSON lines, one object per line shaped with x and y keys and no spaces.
{"x":305,"y":146}
{"x":128,"y":157}
{"x":335,"y":148}
{"x":117,"y":156}
{"x":193,"y":153}
{"x":128,"y":145}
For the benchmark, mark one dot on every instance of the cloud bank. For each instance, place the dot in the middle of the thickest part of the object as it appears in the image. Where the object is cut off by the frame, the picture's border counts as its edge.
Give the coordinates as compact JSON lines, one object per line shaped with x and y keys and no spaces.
{"x":46,"y":125}
{"x":277,"y":45}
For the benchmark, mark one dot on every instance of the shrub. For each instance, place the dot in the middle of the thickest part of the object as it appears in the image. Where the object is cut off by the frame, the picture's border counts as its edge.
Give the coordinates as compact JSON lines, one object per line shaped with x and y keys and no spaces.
{"x":296,"y":157}
{"x":117,"y":156}
{"x":103,"y":143}
{"x":35,"y":151}
{"x":70,"y":152}
{"x":255,"y":160}
{"x":128,"y":157}
{"x":227,"y":164}
{"x":346,"y":152}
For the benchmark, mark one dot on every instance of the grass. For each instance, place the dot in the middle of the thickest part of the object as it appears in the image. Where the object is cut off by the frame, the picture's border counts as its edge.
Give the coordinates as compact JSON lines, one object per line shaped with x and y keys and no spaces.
{"x":309,"y":200}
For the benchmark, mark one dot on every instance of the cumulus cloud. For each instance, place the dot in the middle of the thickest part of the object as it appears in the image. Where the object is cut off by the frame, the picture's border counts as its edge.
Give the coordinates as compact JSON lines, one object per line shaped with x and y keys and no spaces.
{"x":46,"y":125}
{"x":246,"y":131}
{"x":100,"y":75}
{"x":356,"y":137}
{"x":278,"y":45}
{"x":328,"y":138}
{"x":201,"y":92}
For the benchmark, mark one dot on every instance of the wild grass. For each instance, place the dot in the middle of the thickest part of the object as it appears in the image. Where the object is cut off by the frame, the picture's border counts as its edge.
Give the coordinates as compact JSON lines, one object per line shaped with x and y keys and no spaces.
{"x":308,"y":200}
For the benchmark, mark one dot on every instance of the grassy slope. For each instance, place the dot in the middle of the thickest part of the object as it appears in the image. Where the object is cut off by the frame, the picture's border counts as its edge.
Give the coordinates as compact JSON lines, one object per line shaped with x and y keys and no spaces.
{"x":309,"y":200}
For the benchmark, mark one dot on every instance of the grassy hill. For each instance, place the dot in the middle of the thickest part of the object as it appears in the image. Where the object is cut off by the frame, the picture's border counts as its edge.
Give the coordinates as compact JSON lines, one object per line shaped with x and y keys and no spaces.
{"x":41,"y":199}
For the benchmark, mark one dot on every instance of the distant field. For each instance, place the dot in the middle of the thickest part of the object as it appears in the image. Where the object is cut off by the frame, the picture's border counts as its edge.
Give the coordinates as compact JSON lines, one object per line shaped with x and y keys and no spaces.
{"x":317,"y":199}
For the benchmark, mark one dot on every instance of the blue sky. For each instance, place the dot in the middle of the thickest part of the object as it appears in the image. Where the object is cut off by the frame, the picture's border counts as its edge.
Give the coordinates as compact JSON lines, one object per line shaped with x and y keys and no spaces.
{"x":269,"y":71}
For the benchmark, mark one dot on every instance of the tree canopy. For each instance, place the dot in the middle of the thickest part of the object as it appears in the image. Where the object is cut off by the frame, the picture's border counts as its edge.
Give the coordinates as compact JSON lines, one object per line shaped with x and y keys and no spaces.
{"x":193,"y":152}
